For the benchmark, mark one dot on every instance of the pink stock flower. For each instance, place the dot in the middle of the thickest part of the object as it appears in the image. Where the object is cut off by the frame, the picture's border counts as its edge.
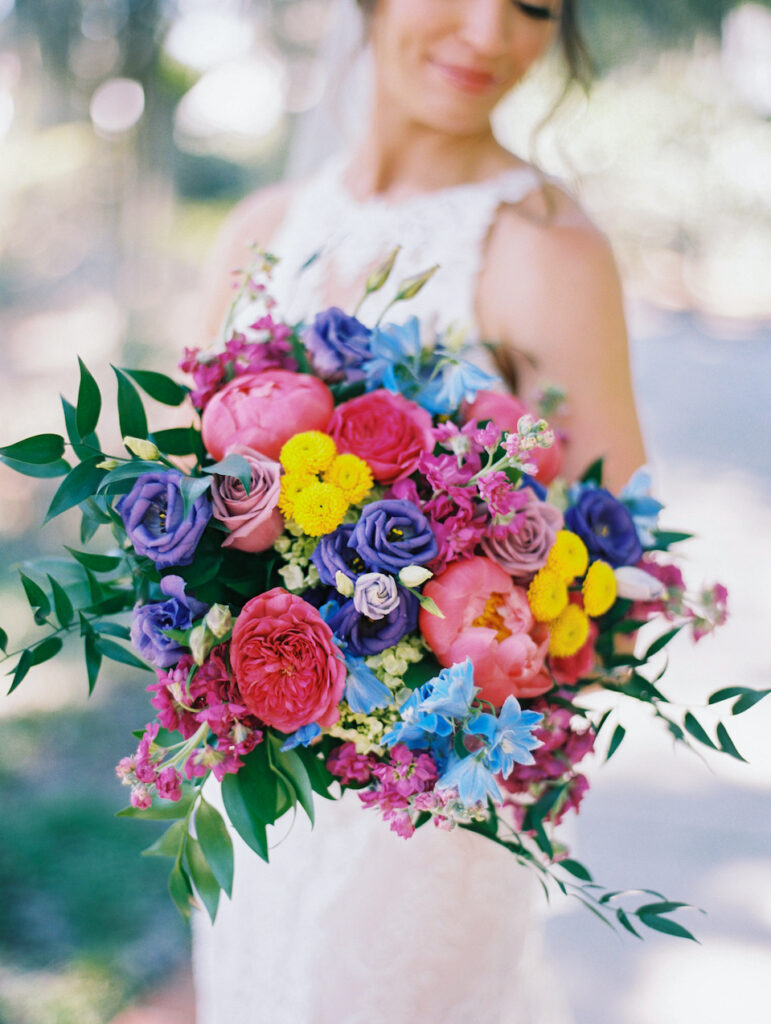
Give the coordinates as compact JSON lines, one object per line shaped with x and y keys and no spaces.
{"x":408,"y":774}
{"x":505,"y":411}
{"x":487,"y":618}
{"x":502,"y":499}
{"x":169,"y":783}
{"x":350,"y":766}
{"x":671,"y":606}
{"x":141,"y":797}
{"x":714,"y":611}
{"x":263,"y":410}
{"x":287,"y":666}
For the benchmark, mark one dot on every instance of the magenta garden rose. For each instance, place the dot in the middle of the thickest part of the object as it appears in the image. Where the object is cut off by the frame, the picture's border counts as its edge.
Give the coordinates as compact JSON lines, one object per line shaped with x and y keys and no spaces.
{"x":289,"y":671}
{"x":388,"y":431}
{"x":253,"y":519}
{"x":523,"y":548}
{"x":263,"y":410}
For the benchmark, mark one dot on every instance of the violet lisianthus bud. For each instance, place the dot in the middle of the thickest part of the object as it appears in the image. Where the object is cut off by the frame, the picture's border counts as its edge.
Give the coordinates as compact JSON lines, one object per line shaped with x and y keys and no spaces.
{"x":365,"y":636}
{"x":375,"y":595}
{"x":154,"y":519}
{"x":605,"y":526}
{"x":338,"y":345}
{"x":253,"y":520}
{"x":178,"y":611}
{"x":393,"y":533}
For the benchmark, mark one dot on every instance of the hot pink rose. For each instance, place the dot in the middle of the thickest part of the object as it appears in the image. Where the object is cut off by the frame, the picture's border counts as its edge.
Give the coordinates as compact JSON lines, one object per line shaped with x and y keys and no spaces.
{"x":388,"y":431}
{"x":287,"y":666}
{"x":263,"y":410}
{"x":487,"y":618}
{"x":253,"y":519}
{"x":505,"y":411}
{"x":523,"y":549}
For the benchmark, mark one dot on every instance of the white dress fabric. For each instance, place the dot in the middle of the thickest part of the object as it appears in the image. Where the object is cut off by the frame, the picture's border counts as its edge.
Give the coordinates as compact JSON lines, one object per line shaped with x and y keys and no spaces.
{"x":350,"y":923}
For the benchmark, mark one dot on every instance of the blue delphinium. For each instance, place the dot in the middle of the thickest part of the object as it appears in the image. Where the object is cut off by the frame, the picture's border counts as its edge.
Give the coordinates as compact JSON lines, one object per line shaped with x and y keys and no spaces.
{"x":472,"y":778}
{"x":396,"y":359}
{"x":452,"y":382}
{"x":452,"y":691}
{"x":509,"y":736}
{"x":363,"y":690}
{"x":642,"y":507}
{"x":304,"y":735}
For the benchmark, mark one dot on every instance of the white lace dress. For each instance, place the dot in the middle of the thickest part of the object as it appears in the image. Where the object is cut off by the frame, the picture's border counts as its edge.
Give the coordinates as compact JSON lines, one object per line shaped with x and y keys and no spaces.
{"x":350,"y":924}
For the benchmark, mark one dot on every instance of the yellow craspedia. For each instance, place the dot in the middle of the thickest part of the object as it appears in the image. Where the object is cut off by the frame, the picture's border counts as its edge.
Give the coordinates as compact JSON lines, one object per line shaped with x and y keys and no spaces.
{"x":308,"y":452}
{"x":568,"y":556}
{"x":291,"y":485}
{"x":599,"y":589}
{"x":547,"y":594}
{"x":319,"y":508}
{"x":568,"y":633}
{"x":352,"y":475}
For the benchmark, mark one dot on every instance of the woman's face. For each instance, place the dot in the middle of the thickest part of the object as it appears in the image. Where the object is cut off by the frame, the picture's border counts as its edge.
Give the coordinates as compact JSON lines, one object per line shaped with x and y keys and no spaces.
{"x":446,"y":63}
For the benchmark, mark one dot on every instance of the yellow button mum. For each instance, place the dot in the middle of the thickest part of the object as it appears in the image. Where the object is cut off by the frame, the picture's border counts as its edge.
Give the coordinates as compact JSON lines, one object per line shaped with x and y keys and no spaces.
{"x":568,"y":556}
{"x":568,"y":633}
{"x":319,"y":508}
{"x":308,"y":452}
{"x":291,"y":485}
{"x":599,"y":589}
{"x":352,"y":475}
{"x":547,"y":594}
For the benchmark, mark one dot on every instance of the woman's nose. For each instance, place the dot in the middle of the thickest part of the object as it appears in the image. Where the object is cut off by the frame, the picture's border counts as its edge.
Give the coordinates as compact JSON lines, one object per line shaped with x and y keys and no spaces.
{"x":484,"y":26}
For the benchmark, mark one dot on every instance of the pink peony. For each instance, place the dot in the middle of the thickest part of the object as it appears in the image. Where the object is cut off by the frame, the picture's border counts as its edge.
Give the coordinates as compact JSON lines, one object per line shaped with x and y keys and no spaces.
{"x":287,"y":667}
{"x":388,"y":431}
{"x":523,"y":548}
{"x":263,"y":410}
{"x":253,"y":519}
{"x":487,"y":618}
{"x":505,"y":411}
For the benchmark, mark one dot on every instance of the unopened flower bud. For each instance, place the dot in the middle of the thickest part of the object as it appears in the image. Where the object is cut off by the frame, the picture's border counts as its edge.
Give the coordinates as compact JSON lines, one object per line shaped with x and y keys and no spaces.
{"x":410,"y":287}
{"x":142,"y":449}
{"x":414,"y":575}
{"x":343,"y":584}
{"x":635,"y":584}
{"x":108,"y":464}
{"x":201,"y":642}
{"x":219,"y":620}
{"x":380,"y":274}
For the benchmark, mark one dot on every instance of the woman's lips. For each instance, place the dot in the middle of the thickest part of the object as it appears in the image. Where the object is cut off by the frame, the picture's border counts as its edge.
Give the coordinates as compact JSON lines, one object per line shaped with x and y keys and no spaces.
{"x":466,"y":79}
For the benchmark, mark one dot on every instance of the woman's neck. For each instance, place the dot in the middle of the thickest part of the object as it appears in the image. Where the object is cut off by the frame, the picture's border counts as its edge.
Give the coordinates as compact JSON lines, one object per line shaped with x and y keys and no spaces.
{"x":398,"y":158}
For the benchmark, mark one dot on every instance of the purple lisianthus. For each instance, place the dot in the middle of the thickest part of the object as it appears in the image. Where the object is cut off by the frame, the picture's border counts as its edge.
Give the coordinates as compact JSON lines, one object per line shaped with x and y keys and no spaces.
{"x":338,"y":345}
{"x":605,"y":526}
{"x":333,"y":555}
{"x":375,"y":595}
{"x":393,"y":533}
{"x":178,"y":611}
{"x":365,"y":636}
{"x":153,"y":515}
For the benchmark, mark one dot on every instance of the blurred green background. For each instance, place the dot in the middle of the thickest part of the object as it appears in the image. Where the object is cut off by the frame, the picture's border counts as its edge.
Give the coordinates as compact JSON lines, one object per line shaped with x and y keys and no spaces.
{"x":128,"y":128}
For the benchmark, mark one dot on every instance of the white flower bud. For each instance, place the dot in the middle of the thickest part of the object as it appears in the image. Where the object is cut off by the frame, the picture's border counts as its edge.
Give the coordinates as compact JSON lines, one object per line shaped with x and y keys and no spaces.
{"x":414,"y":575}
{"x":344,"y":584}
{"x":635,"y":584}
{"x":201,"y":642}
{"x":218,"y":620}
{"x":108,"y":464}
{"x":142,"y":449}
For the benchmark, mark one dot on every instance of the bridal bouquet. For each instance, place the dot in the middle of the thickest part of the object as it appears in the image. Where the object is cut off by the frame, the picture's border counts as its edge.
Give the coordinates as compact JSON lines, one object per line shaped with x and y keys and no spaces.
{"x":357,"y":569}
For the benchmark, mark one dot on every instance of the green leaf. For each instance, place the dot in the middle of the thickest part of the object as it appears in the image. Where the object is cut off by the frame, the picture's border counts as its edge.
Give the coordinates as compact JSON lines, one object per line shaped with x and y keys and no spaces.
{"x":615,"y":741}
{"x":291,"y":766}
{"x":420,"y":672}
{"x":38,"y":450}
{"x":727,"y":744}
{"x":245,"y":822}
{"x":202,"y":877}
{"x":267,"y":792}
{"x":663,"y":924}
{"x":113,"y":629}
{"x":95,"y":562}
{"x":321,"y":777}
{"x":36,"y":598}
{"x":624,"y":920}
{"x":576,"y":868}
{"x":593,"y":473}
{"x":180,"y":889}
{"x":166,"y":810}
{"x":58,"y":468}
{"x":32,"y":656}
{"x":170,"y":843}
{"x":122,"y":654}
{"x":661,"y":642}
{"x":89,"y":402}
{"x":748,"y":700}
{"x":176,"y":440}
{"x":3,"y":641}
{"x":93,"y":658}
{"x":80,"y":483}
{"x":192,"y":487}
{"x":83,"y":447}
{"x":23,"y":665}
{"x":158,"y":386}
{"x":696,"y":729}
{"x":663,"y":907}
{"x":663,"y":538}
{"x":128,"y":471}
{"x":233,"y":465}
{"x":216,"y":844}
{"x":62,"y":603}
{"x":131,"y":413}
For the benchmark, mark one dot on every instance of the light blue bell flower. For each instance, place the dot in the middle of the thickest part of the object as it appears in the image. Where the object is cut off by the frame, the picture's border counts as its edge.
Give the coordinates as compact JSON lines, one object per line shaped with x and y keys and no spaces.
{"x":509,"y":736}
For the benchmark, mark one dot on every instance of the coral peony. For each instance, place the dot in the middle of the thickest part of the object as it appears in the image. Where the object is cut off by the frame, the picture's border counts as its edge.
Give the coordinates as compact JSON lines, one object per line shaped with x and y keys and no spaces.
{"x":263,"y":410}
{"x":487,"y":618}
{"x":287,"y":667}
{"x":505,"y":412}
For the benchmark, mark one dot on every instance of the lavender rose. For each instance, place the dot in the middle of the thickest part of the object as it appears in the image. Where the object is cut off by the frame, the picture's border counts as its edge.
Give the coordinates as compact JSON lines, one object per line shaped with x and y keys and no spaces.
{"x":604,"y":525}
{"x":152,"y":514}
{"x":338,"y":345}
{"x":365,"y":636}
{"x":393,"y":533}
{"x":253,"y":519}
{"x":522,"y":550}
{"x":150,"y":620}
{"x":375,"y":595}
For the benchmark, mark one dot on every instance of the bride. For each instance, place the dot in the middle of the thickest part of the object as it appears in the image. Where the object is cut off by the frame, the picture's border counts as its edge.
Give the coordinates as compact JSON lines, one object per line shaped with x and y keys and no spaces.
{"x":351,"y":923}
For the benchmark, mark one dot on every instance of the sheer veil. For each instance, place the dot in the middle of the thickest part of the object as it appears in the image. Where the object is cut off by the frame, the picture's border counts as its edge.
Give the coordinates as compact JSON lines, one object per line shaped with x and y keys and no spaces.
{"x":340,"y":117}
